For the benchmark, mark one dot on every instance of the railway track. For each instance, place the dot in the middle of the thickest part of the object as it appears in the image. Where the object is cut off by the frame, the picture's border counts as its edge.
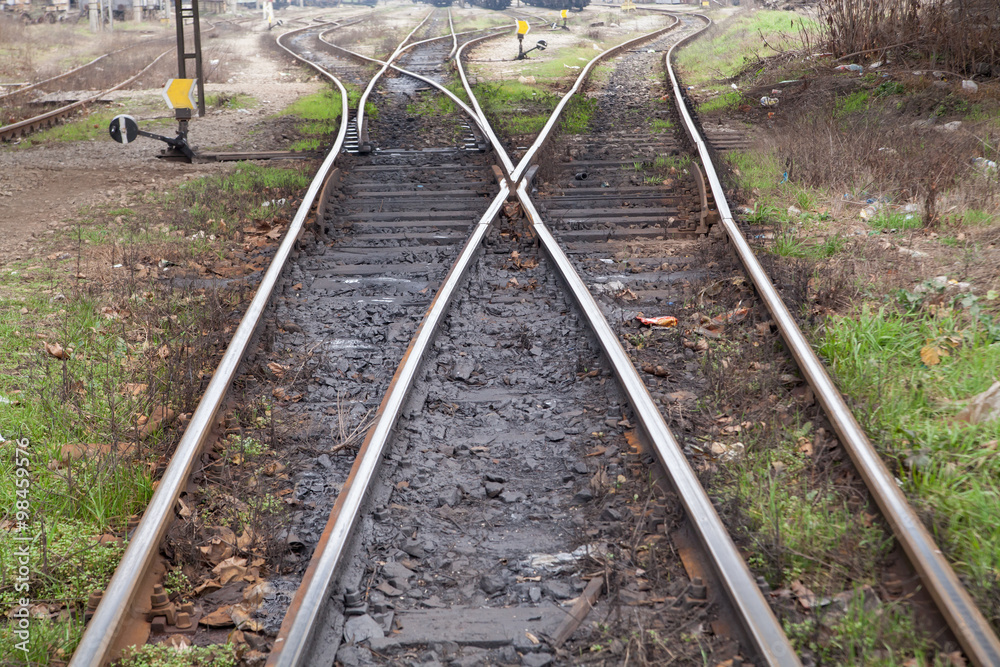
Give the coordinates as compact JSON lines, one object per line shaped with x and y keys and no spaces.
{"x":479,"y":497}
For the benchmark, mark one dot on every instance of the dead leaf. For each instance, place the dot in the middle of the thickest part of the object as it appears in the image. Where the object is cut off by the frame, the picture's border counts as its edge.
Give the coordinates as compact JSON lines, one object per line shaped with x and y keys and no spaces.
{"x":133,"y":388}
{"x":185,"y":511}
{"x":78,"y":450}
{"x":160,"y":417}
{"x":56,"y":350}
{"x":229,"y":569}
{"x":277,"y":369}
{"x":806,"y":446}
{"x":273,"y":467}
{"x":531,"y":638}
{"x":805,"y":596}
{"x":220,"y":545}
{"x":662,"y":321}
{"x":403,"y":485}
{"x":983,"y":407}
{"x":244,"y":540}
{"x":219,"y":618}
{"x":930,"y":355}
{"x":210,"y":585}
{"x":163,"y":352}
{"x":282,"y":395}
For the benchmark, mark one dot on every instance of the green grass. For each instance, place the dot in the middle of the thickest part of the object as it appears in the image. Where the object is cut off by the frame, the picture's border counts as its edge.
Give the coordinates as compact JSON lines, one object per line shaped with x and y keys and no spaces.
{"x":738,"y":42}
{"x":82,"y":399}
{"x":659,"y":125}
{"x":431,"y":104}
{"x":758,"y":172}
{"x":896,"y":220}
{"x":243,"y":191}
{"x":909,"y":412}
{"x":161,"y":655}
{"x":92,"y":126}
{"x":792,"y":245}
{"x":884,"y":636}
{"x":568,"y":63}
{"x":322,"y":112}
{"x":721,"y":102}
{"x":856,"y":102}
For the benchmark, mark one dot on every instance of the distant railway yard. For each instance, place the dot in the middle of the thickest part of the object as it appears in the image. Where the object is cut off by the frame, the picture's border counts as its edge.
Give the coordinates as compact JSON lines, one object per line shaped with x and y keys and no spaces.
{"x":500,"y":333}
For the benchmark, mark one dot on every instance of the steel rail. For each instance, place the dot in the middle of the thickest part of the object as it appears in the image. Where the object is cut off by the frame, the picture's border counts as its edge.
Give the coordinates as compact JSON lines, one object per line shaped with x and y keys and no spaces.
{"x":454,"y":37}
{"x":758,"y":620}
{"x":120,"y":593}
{"x":452,"y":96}
{"x":24,"y":89}
{"x":296,"y":633}
{"x":508,"y":166}
{"x":546,"y":132}
{"x":360,"y":118}
{"x":970,"y":627}
{"x":22,"y":127}
{"x":291,"y":646}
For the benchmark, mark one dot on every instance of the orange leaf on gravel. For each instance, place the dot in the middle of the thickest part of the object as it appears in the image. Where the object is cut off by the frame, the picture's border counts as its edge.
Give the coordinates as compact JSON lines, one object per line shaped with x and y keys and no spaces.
{"x":663,"y":321}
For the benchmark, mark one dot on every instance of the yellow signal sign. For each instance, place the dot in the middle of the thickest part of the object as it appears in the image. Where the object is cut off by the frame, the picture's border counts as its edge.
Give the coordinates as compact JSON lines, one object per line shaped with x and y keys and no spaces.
{"x":628,"y":5}
{"x":522,"y":27}
{"x":563,"y":13}
{"x":180,"y":93}
{"x":704,"y":3}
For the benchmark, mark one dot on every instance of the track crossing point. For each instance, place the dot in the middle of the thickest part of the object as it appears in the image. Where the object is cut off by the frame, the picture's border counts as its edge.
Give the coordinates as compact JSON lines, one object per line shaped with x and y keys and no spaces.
{"x":180,"y":93}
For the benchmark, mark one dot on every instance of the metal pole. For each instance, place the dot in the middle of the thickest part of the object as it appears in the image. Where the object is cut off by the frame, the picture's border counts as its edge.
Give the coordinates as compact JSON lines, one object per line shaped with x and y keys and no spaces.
{"x":197,"y":58}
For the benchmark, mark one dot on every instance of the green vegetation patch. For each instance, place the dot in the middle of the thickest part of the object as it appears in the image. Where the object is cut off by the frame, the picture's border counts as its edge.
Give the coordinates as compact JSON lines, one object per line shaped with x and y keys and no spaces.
{"x":90,"y":126}
{"x":250,"y":191}
{"x":322,"y":112}
{"x":915,"y":367}
{"x":739,"y":43}
{"x":522,"y":109}
{"x":161,"y":655}
{"x":723,"y":102}
{"x":102,"y":351}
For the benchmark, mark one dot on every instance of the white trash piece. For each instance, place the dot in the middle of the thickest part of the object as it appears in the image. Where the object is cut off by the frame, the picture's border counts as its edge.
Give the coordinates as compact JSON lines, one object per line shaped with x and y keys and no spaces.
{"x":970,"y":85}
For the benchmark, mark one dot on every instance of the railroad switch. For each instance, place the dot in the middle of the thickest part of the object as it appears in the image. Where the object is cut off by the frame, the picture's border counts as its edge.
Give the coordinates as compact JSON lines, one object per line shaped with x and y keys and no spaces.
{"x":124,"y":129}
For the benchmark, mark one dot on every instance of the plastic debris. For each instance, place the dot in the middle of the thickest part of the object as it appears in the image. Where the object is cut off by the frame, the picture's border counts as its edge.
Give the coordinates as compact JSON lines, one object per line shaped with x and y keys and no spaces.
{"x":562,"y":562}
{"x":733,"y":86}
{"x":984,"y":165}
{"x":768,"y":101}
{"x":868,"y":212}
{"x":969,"y":85}
{"x":794,"y":210}
{"x":850,"y":68}
{"x":875,"y":65}
{"x":662,"y":321}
